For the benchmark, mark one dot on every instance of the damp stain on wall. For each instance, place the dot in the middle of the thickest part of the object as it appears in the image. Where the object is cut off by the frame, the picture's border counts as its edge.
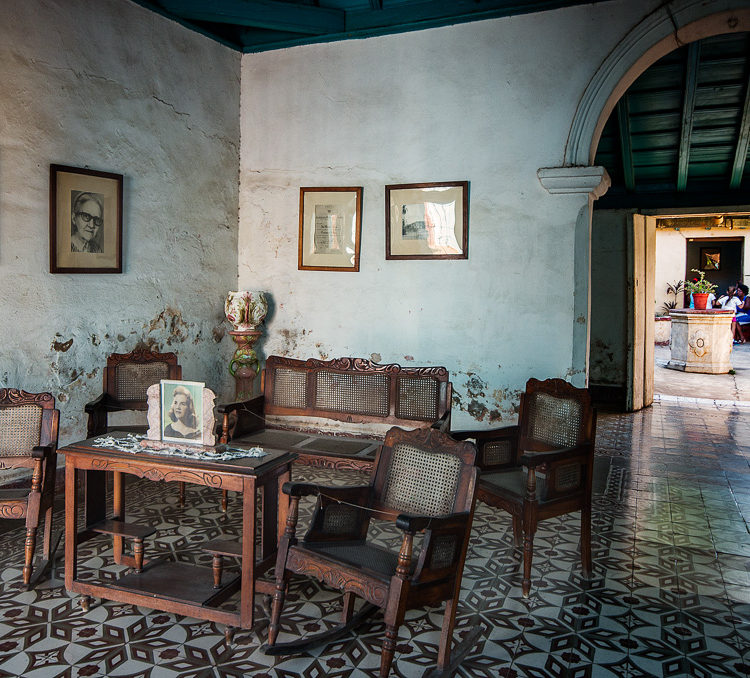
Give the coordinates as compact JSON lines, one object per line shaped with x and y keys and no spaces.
{"x":500,"y":406}
{"x":171,"y":320}
{"x":61,"y":346}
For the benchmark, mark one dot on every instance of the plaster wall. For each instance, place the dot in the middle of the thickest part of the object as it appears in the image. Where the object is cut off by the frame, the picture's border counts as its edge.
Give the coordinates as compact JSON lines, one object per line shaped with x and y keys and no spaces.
{"x":491,"y":102}
{"x":107,"y":85}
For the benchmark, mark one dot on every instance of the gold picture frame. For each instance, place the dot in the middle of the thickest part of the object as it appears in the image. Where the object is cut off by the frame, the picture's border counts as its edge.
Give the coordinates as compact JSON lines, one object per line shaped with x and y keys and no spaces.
{"x":427,"y":221}
{"x":330,"y":223}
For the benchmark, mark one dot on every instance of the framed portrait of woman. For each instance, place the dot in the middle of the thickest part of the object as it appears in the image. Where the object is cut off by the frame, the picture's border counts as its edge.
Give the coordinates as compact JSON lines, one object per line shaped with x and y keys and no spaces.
{"x":182,"y":411}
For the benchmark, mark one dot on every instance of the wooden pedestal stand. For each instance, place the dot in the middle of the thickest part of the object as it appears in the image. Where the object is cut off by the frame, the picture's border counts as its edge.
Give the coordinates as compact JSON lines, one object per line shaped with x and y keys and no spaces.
{"x":244,"y":363}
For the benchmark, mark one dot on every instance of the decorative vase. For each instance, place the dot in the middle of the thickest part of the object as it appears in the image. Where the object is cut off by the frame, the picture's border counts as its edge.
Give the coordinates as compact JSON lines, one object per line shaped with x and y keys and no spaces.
{"x":700,"y":300}
{"x":245,"y":310}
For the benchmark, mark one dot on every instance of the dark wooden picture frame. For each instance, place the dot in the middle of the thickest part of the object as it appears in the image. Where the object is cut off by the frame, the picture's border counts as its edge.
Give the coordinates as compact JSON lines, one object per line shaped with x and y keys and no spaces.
{"x":427,"y":221}
{"x":710,"y":259}
{"x":85,"y":220}
{"x":330,"y":225}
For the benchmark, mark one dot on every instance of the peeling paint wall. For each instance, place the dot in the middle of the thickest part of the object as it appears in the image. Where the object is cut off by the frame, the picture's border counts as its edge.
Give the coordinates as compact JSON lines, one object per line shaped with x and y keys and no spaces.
{"x":490,"y":102}
{"x":108,"y":85}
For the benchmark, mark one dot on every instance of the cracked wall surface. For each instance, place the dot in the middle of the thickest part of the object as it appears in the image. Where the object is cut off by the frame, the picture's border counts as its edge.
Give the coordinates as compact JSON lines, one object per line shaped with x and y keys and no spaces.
{"x":490,"y":102}
{"x":160,"y":107}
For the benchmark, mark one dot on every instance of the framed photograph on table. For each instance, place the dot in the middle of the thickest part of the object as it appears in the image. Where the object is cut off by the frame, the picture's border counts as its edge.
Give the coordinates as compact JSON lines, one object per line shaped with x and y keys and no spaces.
{"x":330,"y":222}
{"x":85,"y":222}
{"x":710,"y":259}
{"x":427,"y":221}
{"x":182,"y":411}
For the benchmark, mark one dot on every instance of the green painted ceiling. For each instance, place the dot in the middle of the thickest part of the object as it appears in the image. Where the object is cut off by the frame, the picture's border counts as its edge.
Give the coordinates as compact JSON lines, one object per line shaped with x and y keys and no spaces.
{"x":679,"y":136}
{"x":260,"y":25}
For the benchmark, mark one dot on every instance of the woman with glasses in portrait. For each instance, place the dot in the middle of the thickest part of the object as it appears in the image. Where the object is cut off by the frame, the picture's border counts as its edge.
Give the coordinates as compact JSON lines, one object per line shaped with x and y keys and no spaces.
{"x":86,"y":223}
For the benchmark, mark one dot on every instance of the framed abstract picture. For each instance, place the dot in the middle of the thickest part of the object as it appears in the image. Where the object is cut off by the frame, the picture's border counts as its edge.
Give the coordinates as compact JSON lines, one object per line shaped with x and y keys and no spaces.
{"x":427,"y":221}
{"x":85,"y":225}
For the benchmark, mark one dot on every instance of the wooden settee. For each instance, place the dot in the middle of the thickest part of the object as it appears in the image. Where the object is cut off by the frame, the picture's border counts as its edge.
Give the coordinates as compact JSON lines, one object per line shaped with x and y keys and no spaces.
{"x":335,"y":413}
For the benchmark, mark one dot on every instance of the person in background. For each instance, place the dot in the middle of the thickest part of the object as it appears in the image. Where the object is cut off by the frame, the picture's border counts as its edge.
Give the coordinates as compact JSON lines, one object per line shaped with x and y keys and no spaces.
{"x":741,"y":313}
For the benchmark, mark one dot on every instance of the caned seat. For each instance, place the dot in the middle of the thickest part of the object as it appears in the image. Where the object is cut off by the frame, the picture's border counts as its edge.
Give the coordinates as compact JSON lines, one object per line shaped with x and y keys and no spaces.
{"x":541,"y":468}
{"x":422,"y":480}
{"x":28,"y":439}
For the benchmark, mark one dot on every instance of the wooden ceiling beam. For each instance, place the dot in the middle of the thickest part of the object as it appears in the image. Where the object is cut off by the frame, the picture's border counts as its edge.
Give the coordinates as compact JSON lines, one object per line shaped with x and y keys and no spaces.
{"x":688,"y":107}
{"x":266,"y":14}
{"x":743,"y":137}
{"x":626,"y":148}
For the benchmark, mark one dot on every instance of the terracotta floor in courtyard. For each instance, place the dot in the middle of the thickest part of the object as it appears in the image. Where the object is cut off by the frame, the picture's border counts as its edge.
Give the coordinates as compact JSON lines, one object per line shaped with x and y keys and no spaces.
{"x":670,"y":595}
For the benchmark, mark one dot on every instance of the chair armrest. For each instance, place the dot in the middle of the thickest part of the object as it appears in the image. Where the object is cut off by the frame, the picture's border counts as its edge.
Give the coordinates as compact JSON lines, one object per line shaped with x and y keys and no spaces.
{"x":487,"y":434}
{"x":444,"y":543}
{"x":534,"y":459}
{"x":105,"y":402}
{"x":497,"y":448}
{"x":346,"y":493}
{"x":240,"y":418}
{"x":413,"y":524}
{"x":41,"y":451}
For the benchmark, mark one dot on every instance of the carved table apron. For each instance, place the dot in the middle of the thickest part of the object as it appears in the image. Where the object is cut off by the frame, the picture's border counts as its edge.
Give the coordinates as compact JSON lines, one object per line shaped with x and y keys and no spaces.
{"x":190,"y":589}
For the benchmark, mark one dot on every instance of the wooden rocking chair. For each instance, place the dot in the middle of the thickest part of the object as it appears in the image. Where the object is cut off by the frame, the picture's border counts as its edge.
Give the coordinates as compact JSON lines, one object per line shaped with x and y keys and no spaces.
{"x":424,"y":481}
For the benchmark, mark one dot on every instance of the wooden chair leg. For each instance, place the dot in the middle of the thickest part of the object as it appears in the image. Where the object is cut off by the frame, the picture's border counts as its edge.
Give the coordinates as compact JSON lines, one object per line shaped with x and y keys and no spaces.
{"x":47,"y":543}
{"x":446,"y":634}
{"x":586,"y":541}
{"x":182,"y":494}
{"x":30,"y":545}
{"x":388,"y":649}
{"x":517,"y":531}
{"x":348,"y":609}
{"x":224,"y":500}
{"x":278,"y":603}
{"x":528,"y":551}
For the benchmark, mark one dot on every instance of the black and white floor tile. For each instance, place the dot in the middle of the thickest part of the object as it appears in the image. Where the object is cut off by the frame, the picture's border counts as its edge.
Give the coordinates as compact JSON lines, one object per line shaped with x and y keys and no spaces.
{"x":670,"y":595}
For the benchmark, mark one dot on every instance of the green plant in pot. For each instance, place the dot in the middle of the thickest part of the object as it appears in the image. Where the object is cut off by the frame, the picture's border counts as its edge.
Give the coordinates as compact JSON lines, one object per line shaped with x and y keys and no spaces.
{"x":700,"y":288}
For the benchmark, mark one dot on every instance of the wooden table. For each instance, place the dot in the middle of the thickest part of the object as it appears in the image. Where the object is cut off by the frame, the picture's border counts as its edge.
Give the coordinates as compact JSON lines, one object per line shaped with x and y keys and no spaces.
{"x":174,"y":587}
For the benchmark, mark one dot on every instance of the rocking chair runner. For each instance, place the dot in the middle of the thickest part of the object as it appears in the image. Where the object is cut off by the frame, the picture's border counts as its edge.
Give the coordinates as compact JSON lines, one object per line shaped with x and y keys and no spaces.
{"x":424,"y":481}
{"x":543,"y":467}
{"x":28,"y":439}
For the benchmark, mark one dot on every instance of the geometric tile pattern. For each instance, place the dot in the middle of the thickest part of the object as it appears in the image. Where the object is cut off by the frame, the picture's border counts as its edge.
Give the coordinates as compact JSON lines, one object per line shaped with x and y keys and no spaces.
{"x":669,"y":595}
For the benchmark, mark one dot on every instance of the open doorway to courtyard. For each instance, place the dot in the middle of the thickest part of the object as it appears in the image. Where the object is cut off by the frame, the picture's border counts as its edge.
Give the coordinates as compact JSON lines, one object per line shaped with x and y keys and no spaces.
{"x":714,"y":245}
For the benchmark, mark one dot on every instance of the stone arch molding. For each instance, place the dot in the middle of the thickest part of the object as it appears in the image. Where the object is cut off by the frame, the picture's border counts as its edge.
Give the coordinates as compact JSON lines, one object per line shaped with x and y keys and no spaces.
{"x":672,"y":25}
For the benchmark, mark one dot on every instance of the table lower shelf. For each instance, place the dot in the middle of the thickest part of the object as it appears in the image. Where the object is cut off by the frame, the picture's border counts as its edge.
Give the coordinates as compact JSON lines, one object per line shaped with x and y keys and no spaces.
{"x":179,"y":582}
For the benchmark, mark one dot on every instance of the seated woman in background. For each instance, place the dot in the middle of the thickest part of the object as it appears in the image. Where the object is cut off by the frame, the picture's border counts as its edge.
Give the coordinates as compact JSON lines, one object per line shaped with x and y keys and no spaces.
{"x":741,"y":313}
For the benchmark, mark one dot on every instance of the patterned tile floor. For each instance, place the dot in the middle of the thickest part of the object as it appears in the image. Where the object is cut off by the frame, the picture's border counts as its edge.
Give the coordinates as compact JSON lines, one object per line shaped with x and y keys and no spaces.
{"x":670,"y":595}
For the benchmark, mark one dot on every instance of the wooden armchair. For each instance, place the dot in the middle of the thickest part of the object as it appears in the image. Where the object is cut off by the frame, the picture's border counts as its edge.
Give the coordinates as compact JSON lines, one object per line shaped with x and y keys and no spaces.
{"x":541,"y":468}
{"x":125,"y":381}
{"x":28,"y":439}
{"x":424,"y":481}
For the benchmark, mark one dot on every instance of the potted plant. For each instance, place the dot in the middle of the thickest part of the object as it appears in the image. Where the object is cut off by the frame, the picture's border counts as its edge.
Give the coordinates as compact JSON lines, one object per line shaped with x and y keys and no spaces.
{"x":700,"y":288}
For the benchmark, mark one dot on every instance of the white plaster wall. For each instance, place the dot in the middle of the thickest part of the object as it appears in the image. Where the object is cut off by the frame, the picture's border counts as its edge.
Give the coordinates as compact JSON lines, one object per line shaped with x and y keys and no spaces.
{"x":490,"y":102}
{"x":108,"y":85}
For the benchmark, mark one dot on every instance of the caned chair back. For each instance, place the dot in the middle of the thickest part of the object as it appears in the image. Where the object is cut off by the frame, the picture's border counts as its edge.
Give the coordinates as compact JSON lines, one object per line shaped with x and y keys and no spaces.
{"x":554,"y":415}
{"x":128,"y":375}
{"x":355,"y":389}
{"x":26,"y":420}
{"x":423,"y":472}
